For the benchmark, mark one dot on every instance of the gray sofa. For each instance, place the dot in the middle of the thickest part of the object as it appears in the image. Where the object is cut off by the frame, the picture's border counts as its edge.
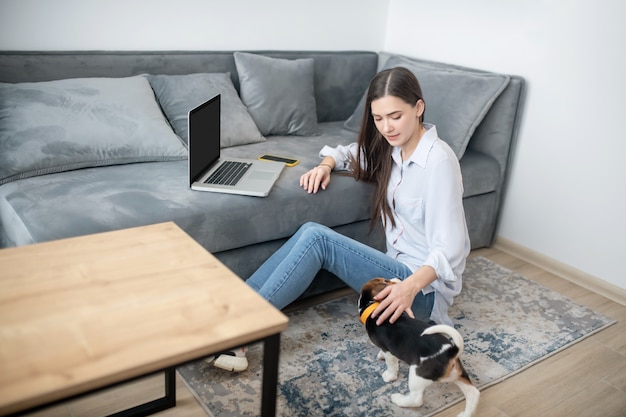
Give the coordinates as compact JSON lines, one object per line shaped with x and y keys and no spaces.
{"x":129,"y":168}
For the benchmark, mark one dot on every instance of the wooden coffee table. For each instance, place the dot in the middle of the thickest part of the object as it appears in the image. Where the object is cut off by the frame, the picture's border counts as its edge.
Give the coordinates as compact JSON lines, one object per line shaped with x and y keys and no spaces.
{"x":81,"y":314}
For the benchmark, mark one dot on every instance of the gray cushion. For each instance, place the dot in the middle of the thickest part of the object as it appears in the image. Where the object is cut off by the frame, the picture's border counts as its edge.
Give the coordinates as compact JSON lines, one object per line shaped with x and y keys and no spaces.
{"x":456,"y":100}
{"x":178,"y":94}
{"x":279,"y":93}
{"x":68,"y":124}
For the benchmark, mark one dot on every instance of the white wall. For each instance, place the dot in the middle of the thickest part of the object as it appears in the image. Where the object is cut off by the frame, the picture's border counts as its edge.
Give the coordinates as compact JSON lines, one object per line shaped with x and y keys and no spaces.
{"x":566,"y":197}
{"x":192,"y":24}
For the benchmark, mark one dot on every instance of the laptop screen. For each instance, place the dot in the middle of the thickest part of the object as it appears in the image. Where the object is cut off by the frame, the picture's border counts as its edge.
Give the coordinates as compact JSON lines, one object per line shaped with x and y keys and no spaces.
{"x":204,"y":137}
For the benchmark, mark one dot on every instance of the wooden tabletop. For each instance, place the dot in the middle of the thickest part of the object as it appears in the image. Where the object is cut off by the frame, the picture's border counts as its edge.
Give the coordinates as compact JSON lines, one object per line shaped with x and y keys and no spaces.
{"x":82,"y":313}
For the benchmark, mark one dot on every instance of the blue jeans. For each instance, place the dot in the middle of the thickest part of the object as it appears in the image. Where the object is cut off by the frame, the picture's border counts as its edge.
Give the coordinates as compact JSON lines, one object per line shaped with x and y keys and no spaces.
{"x":289,"y":271}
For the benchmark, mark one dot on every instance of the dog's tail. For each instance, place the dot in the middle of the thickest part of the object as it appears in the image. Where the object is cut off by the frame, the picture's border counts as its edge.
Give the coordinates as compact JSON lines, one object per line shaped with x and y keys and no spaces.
{"x":449,"y":331}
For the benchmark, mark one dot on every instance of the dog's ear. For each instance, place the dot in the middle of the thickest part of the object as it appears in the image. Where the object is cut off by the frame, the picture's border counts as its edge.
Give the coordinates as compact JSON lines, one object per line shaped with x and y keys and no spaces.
{"x":366,"y":295}
{"x":372,"y":287}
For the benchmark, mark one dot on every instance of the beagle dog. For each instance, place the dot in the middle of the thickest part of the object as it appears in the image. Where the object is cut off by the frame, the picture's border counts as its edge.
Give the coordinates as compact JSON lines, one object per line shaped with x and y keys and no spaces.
{"x":432,"y":352}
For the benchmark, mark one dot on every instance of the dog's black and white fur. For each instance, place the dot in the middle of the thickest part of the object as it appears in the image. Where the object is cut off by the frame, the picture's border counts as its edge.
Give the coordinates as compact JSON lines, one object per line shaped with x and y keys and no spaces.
{"x":432,"y":352}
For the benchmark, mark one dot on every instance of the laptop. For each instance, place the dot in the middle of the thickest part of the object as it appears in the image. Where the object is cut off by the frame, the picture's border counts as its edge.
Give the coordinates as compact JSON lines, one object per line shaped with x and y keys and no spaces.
{"x":209,"y":172}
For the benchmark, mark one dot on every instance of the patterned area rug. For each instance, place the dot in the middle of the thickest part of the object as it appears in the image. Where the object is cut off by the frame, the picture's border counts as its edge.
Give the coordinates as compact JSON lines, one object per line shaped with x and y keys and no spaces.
{"x":328,"y":365}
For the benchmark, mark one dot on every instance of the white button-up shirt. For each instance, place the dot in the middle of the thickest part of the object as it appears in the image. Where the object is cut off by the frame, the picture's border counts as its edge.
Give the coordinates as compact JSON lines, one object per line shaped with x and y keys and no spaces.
{"x":425,"y":194}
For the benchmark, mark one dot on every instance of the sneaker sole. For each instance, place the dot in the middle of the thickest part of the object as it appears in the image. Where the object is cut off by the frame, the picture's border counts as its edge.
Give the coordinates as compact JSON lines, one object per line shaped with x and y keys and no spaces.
{"x":231,"y":363}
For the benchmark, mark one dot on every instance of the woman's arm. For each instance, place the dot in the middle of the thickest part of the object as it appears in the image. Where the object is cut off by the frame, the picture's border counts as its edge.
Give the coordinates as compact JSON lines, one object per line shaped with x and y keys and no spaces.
{"x":336,"y":158}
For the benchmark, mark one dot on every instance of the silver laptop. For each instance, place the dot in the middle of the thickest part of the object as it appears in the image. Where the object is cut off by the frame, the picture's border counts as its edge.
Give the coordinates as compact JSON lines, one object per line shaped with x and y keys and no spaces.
{"x":209,"y":172}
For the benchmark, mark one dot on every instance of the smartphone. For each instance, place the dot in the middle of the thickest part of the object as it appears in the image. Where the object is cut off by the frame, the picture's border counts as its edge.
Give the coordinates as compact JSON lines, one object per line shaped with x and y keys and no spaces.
{"x":288,"y":161}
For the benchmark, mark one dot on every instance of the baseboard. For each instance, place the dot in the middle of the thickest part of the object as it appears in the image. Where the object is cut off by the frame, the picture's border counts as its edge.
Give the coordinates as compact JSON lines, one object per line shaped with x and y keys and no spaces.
{"x":567,"y":272}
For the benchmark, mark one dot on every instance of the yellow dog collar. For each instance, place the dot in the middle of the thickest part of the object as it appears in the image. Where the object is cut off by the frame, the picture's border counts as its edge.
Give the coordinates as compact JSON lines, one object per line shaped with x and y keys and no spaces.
{"x":368,"y":311}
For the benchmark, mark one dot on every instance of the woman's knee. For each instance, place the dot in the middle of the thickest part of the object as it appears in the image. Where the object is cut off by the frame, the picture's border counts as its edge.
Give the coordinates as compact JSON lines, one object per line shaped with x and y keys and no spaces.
{"x":312,"y":228}
{"x":310,"y":225}
{"x":313,"y":232}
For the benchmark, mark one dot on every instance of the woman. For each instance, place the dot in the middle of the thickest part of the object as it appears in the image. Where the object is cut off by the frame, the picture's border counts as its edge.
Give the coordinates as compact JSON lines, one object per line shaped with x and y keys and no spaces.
{"x":418,"y":198}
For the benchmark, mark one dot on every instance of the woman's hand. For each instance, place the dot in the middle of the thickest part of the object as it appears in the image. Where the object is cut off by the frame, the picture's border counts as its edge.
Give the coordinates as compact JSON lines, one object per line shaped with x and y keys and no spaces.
{"x":394,"y":300}
{"x":316,"y":178}
{"x":397,"y":299}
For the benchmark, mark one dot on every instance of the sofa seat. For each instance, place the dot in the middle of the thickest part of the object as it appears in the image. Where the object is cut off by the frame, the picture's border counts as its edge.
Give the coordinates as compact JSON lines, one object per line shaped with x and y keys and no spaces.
{"x":113,"y":197}
{"x":121,"y":196}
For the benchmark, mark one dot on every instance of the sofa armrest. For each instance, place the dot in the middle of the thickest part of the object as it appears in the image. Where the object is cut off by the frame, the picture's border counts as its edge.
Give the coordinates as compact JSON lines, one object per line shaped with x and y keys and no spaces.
{"x":497,"y":134}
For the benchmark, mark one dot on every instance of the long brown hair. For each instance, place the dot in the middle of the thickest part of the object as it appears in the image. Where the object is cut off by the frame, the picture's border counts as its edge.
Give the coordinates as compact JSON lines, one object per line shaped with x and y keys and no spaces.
{"x":373,"y":161}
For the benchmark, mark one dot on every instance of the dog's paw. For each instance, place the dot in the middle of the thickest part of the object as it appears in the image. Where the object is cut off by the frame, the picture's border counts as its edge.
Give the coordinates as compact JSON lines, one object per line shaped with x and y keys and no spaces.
{"x":465,"y":414}
{"x":381,"y":355}
{"x":389,"y":376}
{"x":406,"y":400}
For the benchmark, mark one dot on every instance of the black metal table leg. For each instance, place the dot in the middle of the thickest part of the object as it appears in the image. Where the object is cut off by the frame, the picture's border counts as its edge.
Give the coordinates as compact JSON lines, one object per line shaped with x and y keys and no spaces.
{"x":271,"y":352}
{"x":160,"y":404}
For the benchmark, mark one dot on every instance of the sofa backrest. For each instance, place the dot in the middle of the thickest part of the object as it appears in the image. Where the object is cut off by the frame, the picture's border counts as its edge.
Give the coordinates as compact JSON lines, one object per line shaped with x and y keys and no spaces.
{"x":341,"y":77}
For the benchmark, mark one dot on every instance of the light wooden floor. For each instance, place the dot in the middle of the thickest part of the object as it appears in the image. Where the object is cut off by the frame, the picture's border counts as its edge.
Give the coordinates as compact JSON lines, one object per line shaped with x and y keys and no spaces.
{"x":585,"y":380}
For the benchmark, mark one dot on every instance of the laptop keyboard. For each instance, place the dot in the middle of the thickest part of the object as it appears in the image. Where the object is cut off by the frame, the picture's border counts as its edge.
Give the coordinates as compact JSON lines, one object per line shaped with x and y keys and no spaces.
{"x":229,"y":173}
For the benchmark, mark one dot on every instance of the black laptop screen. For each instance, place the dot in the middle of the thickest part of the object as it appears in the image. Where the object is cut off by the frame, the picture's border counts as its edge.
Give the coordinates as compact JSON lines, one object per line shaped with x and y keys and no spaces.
{"x":204,"y":137}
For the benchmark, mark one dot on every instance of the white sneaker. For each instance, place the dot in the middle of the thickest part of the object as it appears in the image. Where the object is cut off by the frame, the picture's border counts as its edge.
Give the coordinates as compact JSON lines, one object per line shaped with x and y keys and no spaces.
{"x":233,"y":360}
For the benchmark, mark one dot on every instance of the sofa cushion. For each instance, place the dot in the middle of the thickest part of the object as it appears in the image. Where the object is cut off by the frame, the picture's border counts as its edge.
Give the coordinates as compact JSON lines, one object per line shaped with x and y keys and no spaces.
{"x":62,"y":125}
{"x":456,"y":100}
{"x":178,"y":94}
{"x":279,"y":93}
